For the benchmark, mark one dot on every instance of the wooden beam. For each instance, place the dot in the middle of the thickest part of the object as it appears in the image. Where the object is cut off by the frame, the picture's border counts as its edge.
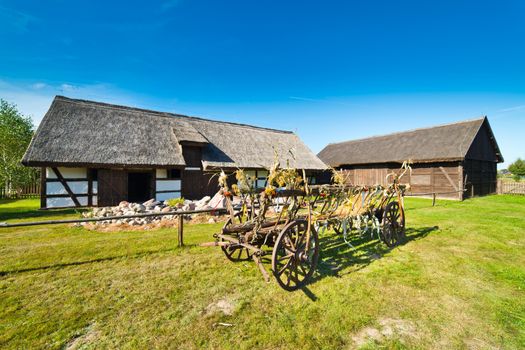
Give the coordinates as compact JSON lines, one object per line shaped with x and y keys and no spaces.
{"x":180,"y":237}
{"x":66,"y":186}
{"x":90,"y":188}
{"x":448,"y":178}
{"x":460,"y":181}
{"x":43,"y":188}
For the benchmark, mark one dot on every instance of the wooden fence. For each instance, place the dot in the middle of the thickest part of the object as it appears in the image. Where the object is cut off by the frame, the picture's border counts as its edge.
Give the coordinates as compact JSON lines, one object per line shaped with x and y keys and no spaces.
{"x":511,"y":187}
{"x":30,"y":191}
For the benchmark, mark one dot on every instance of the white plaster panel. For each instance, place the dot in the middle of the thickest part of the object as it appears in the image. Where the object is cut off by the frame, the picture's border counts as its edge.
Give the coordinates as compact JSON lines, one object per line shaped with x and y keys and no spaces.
{"x":167,"y":195}
{"x":261,"y":183}
{"x":162,"y":173}
{"x":55,"y":188}
{"x":78,"y":187}
{"x":64,"y":202}
{"x":67,"y":173}
{"x":168,"y":185}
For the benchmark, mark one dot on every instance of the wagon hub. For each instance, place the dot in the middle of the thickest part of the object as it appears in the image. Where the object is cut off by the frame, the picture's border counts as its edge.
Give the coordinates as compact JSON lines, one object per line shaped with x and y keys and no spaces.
{"x":301,"y":255}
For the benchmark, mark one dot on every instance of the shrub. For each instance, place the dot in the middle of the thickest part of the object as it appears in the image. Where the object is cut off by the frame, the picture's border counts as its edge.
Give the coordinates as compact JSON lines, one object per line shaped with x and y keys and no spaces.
{"x":175,"y":202}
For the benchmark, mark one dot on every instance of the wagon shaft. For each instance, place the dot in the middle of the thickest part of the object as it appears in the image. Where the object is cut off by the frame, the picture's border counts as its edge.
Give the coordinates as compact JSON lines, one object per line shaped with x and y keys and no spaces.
{"x":242,"y":228}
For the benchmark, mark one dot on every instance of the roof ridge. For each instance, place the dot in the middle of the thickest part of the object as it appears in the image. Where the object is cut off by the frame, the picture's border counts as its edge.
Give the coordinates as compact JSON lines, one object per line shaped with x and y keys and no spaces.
{"x":409,"y":131}
{"x":163,"y":114}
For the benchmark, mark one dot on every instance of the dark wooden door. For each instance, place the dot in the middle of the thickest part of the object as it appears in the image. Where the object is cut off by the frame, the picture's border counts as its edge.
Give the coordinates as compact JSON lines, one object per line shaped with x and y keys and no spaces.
{"x":197,"y":184}
{"x":140,"y":186}
{"x":112,"y":187}
{"x":192,"y":184}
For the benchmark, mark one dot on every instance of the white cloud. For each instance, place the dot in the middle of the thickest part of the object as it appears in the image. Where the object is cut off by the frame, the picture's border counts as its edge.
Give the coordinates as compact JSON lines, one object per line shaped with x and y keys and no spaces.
{"x":38,"y":86}
{"x":67,"y":87}
{"x":34,"y":98}
{"x":15,"y":21}
{"x":512,"y":109}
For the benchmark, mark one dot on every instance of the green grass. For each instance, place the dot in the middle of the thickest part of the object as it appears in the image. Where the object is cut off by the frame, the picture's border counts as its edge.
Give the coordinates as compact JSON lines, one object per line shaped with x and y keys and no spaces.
{"x":458,"y":282}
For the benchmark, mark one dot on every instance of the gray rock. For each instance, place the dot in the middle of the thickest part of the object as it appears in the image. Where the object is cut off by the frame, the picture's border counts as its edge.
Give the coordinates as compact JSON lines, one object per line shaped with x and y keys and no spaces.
{"x":203,"y":207}
{"x":149,"y":202}
{"x":205,"y":199}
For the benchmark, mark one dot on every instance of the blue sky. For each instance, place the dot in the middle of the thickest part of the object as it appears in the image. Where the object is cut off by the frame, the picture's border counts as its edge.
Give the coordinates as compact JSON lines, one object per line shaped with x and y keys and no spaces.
{"x":329,"y":70}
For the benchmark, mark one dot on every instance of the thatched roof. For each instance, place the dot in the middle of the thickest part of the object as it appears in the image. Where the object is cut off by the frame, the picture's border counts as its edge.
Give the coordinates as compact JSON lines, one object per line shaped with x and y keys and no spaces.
{"x":86,"y":133}
{"x":440,"y":143}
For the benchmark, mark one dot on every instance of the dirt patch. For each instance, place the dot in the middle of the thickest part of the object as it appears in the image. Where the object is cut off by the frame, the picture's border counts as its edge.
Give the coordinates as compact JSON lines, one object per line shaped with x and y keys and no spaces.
{"x":173,"y":223}
{"x":388,"y":328}
{"x":224,"y":306}
{"x":87,"y":337}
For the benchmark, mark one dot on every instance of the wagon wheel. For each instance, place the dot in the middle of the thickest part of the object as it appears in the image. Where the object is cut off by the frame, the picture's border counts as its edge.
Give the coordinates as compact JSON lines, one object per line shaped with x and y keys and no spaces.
{"x":235,"y":252}
{"x":292,"y":262}
{"x":393,"y":224}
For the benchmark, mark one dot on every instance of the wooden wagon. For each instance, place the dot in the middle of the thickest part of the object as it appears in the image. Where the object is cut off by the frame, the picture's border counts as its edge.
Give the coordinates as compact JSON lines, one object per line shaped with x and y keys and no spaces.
{"x":283,"y":219}
{"x":373,"y":209}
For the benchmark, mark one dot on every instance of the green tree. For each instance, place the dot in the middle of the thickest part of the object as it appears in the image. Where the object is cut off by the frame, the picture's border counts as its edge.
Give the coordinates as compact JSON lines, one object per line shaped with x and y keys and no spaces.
{"x":16,"y":131}
{"x":517,"y":169}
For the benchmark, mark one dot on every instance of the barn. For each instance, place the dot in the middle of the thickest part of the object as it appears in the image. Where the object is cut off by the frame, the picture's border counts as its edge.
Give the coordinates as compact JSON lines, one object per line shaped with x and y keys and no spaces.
{"x":98,"y":154}
{"x":446,"y":159}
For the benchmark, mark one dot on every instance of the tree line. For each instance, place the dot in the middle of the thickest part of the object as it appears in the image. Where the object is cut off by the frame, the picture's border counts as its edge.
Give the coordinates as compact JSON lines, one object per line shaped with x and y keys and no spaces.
{"x":16,"y":131}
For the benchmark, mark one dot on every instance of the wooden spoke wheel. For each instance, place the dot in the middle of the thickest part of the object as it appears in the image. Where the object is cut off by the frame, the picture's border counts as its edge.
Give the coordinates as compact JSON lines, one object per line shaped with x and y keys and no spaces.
{"x":393,"y":228}
{"x":295,"y":255}
{"x":235,"y":252}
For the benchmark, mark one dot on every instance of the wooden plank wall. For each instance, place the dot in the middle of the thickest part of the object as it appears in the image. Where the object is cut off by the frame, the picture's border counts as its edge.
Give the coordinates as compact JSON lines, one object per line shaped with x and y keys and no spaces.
{"x":425,"y":178}
{"x":112,"y":186}
{"x":481,"y":177}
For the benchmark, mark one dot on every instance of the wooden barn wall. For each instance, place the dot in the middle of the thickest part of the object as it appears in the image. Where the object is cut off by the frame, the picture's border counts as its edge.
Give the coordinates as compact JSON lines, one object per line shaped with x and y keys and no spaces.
{"x":480,"y":165}
{"x":441,"y":178}
{"x":195,"y":182}
{"x":482,"y":148}
{"x":192,"y":156}
{"x":481,"y":177}
{"x":112,"y":186}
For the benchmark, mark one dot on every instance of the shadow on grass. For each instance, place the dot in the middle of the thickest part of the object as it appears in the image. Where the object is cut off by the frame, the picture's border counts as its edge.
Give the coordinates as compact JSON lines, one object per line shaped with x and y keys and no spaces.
{"x":31,"y":213}
{"x":85,"y":262}
{"x":336,"y":256}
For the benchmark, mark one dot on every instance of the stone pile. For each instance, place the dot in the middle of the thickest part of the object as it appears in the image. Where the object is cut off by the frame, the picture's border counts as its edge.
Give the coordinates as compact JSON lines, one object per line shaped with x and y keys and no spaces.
{"x":151,"y":206}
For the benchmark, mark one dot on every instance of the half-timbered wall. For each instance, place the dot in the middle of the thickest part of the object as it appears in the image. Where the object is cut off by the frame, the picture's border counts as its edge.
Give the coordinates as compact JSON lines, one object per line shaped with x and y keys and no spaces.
{"x":68,"y":187}
{"x":168,"y":184}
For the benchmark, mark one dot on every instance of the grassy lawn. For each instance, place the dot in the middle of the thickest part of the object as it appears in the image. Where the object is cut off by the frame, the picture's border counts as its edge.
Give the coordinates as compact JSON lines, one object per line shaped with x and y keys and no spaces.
{"x":458,"y":282}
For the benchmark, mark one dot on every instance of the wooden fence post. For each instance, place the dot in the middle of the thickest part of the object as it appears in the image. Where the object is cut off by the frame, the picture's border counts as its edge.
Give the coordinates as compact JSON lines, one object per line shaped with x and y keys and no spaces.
{"x":180,"y":237}
{"x":433,"y":198}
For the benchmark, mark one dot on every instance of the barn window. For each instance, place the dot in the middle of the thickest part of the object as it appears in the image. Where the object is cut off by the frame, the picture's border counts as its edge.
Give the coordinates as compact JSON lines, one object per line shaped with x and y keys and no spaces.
{"x":93,"y":174}
{"x":174,"y":174}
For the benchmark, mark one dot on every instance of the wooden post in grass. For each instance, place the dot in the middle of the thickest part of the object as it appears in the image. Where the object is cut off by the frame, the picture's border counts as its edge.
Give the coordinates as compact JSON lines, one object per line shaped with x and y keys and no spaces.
{"x":433,"y":198}
{"x":181,"y":231}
